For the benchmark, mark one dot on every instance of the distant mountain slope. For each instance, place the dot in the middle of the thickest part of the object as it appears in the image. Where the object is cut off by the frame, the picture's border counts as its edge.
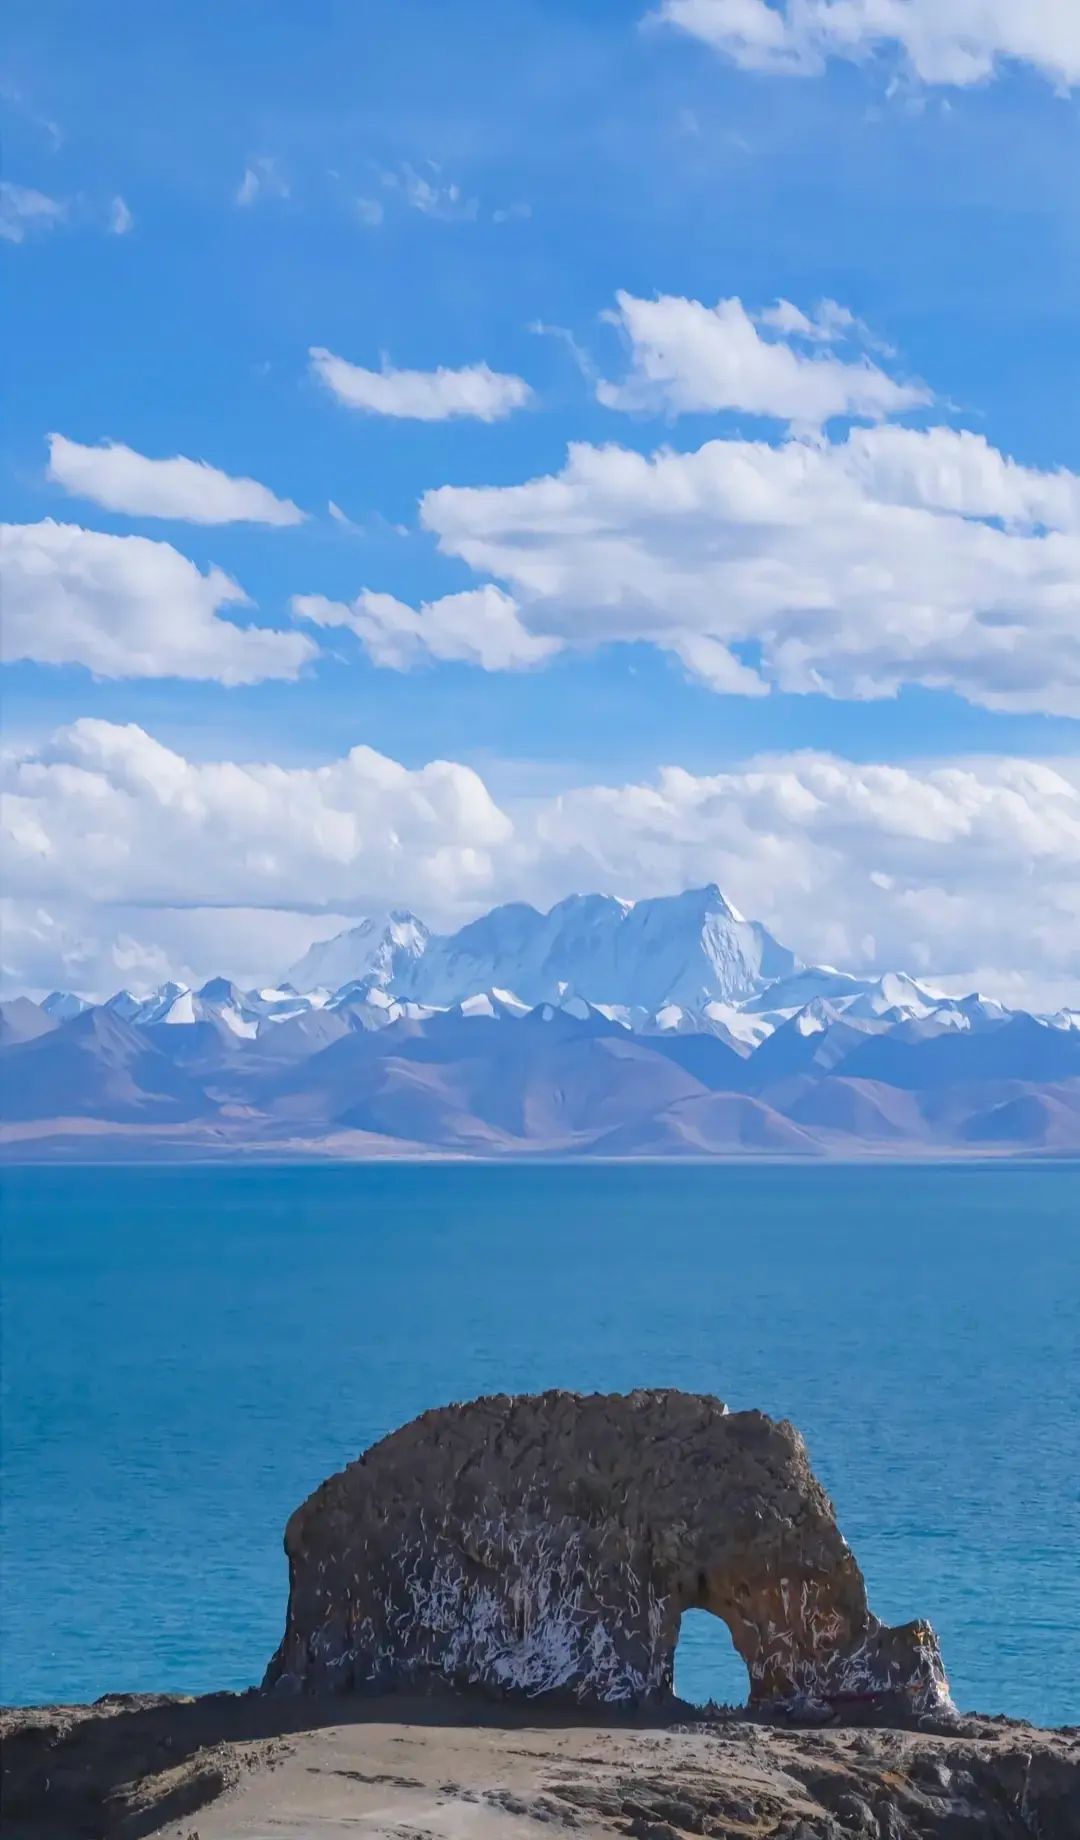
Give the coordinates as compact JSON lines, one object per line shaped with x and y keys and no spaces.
{"x":712,"y":1124}
{"x":667,"y":1027}
{"x":96,"y":1066}
{"x":526,"y":1081}
{"x":552,"y":1082}
{"x":818,"y":1040}
{"x":856,"y":1111}
{"x":21,"y":1020}
{"x":1041,"y":1119}
{"x":706,"y":1057}
{"x":1017,"y":1047}
{"x":62,"y":1005}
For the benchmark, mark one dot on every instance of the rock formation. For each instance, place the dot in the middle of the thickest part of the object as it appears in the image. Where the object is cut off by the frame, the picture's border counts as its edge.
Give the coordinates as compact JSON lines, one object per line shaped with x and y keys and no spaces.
{"x":130,"y":1766}
{"x":548,"y":1546}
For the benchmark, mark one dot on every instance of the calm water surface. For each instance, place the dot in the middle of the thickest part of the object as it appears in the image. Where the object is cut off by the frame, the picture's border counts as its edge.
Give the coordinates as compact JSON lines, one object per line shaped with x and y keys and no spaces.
{"x":186,"y":1353}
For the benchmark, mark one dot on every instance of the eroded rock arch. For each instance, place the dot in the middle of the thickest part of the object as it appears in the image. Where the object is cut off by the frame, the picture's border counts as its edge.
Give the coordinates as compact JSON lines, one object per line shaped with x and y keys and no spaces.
{"x":548,"y":1545}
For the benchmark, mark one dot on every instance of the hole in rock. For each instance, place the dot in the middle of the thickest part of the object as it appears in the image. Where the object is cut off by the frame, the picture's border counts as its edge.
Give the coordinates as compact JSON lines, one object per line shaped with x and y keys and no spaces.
{"x":707,"y":1664}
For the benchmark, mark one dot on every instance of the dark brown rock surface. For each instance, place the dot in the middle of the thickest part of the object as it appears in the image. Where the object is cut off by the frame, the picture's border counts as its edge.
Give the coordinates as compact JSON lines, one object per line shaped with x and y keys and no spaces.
{"x":547,"y":1547}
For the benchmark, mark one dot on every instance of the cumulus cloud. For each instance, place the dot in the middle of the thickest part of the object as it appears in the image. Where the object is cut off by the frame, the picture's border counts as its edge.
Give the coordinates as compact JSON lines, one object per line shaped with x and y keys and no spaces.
{"x":130,"y":607}
{"x":931,"y":868}
{"x":953,"y":470}
{"x":955,"y":42}
{"x":262,"y":178}
{"x":24,"y":210}
{"x":849,"y":568}
{"x":482,"y":626}
{"x":421,"y":396}
{"x":221,"y":866}
{"x":107,"y":806}
{"x":687,"y":357}
{"x":120,"y":479}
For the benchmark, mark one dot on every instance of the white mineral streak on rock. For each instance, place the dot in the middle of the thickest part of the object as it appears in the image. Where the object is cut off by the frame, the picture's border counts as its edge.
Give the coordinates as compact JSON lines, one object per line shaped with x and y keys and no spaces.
{"x":533,"y":1636}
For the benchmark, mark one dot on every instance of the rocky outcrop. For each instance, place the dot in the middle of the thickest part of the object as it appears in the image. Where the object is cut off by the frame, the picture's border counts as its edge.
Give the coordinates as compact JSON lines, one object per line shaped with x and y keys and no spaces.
{"x":434,"y":1768}
{"x":547,"y":1547}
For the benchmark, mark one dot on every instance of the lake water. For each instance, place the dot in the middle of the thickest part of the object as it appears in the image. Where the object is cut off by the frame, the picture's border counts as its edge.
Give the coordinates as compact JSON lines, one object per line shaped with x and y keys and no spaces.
{"x":187,"y":1352}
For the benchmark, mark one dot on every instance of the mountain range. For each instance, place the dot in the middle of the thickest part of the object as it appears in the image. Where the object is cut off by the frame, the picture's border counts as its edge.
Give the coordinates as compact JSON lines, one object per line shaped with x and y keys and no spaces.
{"x":663,"y":1027}
{"x":687,"y":949}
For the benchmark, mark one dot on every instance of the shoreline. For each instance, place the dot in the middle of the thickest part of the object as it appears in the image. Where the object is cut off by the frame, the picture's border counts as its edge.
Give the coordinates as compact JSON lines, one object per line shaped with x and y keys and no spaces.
{"x":262,"y":1157}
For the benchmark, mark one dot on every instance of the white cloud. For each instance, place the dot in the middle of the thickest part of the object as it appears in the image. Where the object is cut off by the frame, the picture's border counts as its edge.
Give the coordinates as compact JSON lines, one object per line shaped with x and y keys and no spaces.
{"x":262,"y":178}
{"x":219,"y":866}
{"x":954,"y":470}
{"x":130,"y":607}
{"x":578,"y":353}
{"x":687,"y":357}
{"x":74,"y":949}
{"x":120,"y":217}
{"x":851,"y":568}
{"x":120,"y":479}
{"x":108,"y":807}
{"x":481,"y":626}
{"x":421,"y":396}
{"x":828,"y":324}
{"x":74,"y":945}
{"x":957,"y":42}
{"x":370,"y":212}
{"x":431,"y":194}
{"x":24,"y":210}
{"x":931,"y":868}
{"x":710,"y":660}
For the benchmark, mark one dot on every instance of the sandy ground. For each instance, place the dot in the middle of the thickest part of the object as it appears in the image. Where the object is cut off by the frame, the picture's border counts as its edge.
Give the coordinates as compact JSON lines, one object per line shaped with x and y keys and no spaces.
{"x":406,"y":1782}
{"x":443,"y":1784}
{"x":249,"y":1768}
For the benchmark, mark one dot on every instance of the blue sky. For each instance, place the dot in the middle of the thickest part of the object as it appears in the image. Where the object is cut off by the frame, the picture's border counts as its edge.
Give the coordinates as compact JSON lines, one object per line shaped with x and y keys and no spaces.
{"x":425,"y":183}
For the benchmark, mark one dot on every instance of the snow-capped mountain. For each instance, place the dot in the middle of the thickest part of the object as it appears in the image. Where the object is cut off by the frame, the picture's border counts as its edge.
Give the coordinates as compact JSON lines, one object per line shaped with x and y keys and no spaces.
{"x":670,"y":966}
{"x":538,"y":956}
{"x":219,"y":1000}
{"x":382,"y":948}
{"x":662,"y":1027}
{"x":689,"y":949}
{"x":63,"y":1005}
{"x":386,"y":1076}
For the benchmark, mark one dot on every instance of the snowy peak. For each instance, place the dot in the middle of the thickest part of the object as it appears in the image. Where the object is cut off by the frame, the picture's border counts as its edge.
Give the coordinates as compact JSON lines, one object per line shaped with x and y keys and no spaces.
{"x":380,"y":947}
{"x":130,"y":1008}
{"x":220,"y":990}
{"x":690,"y":949}
{"x":895,"y":994}
{"x":669,"y":966}
{"x":63,"y":1005}
{"x":698,"y":906}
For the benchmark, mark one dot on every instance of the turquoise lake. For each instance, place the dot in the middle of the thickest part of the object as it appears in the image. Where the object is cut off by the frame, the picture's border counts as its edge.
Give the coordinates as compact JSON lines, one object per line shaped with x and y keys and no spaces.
{"x":187,"y":1352}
